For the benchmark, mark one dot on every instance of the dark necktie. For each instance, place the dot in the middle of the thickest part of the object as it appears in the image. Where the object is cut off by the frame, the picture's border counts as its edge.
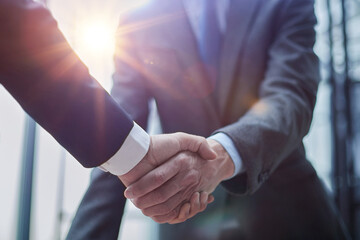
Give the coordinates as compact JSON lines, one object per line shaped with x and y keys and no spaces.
{"x":210,"y":38}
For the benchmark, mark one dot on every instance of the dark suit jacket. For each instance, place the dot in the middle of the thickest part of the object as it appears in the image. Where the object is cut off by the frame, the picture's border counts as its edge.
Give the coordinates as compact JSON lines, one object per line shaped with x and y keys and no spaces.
{"x":49,"y":81}
{"x":263,"y":100}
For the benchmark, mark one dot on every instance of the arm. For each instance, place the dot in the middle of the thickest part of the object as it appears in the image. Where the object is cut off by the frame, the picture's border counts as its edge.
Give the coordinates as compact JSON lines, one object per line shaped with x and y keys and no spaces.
{"x":275,"y":126}
{"x":131,"y":91}
{"x":41,"y":71}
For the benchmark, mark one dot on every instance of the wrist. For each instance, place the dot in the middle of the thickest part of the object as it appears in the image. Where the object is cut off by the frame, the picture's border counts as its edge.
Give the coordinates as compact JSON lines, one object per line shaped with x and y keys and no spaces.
{"x":224,"y":161}
{"x":143,"y":167}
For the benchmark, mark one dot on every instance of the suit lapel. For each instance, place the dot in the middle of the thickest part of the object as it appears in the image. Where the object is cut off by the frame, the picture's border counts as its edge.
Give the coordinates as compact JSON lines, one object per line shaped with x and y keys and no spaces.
{"x":181,"y":38}
{"x":240,"y":17}
{"x":176,"y":29}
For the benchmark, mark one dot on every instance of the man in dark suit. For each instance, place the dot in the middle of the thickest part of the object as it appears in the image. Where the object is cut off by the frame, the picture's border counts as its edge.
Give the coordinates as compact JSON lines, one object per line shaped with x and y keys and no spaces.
{"x":254,"y":89}
{"x":40,"y":70}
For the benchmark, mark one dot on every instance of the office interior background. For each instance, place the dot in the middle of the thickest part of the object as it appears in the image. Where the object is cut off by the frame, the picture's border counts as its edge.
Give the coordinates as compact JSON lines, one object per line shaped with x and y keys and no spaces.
{"x":333,"y":144}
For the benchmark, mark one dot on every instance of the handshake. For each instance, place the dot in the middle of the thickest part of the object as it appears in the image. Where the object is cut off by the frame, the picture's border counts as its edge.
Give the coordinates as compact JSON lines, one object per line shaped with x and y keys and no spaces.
{"x":175,"y":179}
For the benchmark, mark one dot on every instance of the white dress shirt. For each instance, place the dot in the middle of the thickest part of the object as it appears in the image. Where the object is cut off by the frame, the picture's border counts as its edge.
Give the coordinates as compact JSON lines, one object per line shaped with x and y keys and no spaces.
{"x":133,"y":150}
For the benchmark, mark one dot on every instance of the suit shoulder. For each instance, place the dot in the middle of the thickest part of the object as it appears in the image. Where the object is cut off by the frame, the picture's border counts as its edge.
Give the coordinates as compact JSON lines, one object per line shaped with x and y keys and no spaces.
{"x":143,"y":11}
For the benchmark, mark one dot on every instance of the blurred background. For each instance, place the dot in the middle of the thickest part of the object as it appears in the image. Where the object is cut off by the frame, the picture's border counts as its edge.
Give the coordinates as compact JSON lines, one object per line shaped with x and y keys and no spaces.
{"x":59,"y":182}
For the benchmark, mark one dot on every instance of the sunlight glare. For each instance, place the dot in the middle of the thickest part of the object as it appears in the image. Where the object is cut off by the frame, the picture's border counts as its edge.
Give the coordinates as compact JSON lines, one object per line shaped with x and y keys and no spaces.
{"x":98,"y":38}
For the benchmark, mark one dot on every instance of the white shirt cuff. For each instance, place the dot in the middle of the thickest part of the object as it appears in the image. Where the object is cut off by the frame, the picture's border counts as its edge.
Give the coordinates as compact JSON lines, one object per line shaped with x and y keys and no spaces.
{"x":229,"y":146}
{"x":132,"y":151}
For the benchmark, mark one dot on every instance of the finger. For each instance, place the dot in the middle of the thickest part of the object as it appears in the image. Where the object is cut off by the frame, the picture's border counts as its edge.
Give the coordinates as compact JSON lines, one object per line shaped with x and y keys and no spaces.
{"x":203,"y":201}
{"x":161,"y":194}
{"x":187,"y":208}
{"x":166,"y":207}
{"x":183,"y":215}
{"x":211,"y":199}
{"x":152,"y":180}
{"x":184,"y":212}
{"x":168,"y":217}
{"x":196,"y":205}
{"x":196,"y":144}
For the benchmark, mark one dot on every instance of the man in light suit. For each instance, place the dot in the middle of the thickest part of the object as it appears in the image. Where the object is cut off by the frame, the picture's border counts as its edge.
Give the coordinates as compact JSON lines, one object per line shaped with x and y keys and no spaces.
{"x":253,"y":89}
{"x":41,"y":71}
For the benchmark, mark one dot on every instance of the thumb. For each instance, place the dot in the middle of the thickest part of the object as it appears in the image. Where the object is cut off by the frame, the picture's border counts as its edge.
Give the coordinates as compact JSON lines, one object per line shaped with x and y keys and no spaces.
{"x":196,"y":144}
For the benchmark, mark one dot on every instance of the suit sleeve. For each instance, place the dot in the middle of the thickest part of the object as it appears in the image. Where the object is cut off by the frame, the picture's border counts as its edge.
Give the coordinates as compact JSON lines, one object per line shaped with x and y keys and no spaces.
{"x":130,"y":88}
{"x":276,"y":124}
{"x":53,"y":86}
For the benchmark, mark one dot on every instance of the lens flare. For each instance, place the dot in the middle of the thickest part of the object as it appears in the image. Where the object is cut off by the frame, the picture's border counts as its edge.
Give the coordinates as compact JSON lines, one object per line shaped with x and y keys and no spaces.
{"x":97,"y":37}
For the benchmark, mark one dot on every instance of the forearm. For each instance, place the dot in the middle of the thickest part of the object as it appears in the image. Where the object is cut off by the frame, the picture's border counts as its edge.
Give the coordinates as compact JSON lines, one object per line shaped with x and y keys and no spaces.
{"x":276,"y":124}
{"x":50,"y":82}
{"x":265,"y":138}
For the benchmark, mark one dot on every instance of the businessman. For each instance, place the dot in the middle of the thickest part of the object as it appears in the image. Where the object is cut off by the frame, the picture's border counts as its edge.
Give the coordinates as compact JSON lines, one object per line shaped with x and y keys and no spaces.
{"x":244,"y":72}
{"x":41,"y":71}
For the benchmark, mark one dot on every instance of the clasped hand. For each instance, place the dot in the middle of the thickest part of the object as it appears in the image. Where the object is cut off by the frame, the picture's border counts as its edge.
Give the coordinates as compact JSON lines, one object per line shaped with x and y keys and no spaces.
{"x":175,"y":179}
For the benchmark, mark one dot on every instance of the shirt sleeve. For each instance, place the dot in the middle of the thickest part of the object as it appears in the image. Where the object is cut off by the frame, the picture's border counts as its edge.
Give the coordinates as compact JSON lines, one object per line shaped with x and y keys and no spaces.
{"x":133,"y":150}
{"x":229,"y":146}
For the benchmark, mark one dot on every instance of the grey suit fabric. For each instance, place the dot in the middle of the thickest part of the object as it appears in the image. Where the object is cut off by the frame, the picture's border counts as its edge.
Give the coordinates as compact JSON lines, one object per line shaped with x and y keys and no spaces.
{"x":263,"y":100}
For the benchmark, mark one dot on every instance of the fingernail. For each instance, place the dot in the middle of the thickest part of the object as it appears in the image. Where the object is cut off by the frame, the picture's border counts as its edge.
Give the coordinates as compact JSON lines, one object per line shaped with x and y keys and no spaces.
{"x":128,"y":193}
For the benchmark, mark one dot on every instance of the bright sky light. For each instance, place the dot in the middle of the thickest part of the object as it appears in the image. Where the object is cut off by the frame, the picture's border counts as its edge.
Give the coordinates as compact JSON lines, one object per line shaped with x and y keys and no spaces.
{"x":94,"y":42}
{"x":98,"y":37}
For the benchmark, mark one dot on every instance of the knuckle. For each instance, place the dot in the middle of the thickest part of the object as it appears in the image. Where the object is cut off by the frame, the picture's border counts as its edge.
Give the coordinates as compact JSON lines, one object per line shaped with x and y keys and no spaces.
{"x":182,"y":159}
{"x":173,"y":214}
{"x":159,"y":196}
{"x":164,"y":209}
{"x":160,"y":219}
{"x":199,"y":140}
{"x":191,"y":178}
{"x":160,"y":210}
{"x":165,"y":218}
{"x":137,"y":202}
{"x":156,"y":219}
{"x":175,"y":186}
{"x":135,"y":190}
{"x":159,"y":177}
{"x":146,"y":212}
{"x":181,"y":134}
{"x":202,"y":139}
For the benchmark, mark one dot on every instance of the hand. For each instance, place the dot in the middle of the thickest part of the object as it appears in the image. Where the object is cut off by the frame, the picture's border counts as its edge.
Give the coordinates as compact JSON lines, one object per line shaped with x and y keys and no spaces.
{"x":161,"y":193}
{"x":162,"y":148}
{"x":198,"y":203}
